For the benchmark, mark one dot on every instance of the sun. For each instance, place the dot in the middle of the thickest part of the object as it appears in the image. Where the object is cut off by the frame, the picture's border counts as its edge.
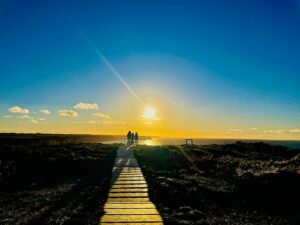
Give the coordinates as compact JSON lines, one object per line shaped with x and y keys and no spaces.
{"x":149,"y":113}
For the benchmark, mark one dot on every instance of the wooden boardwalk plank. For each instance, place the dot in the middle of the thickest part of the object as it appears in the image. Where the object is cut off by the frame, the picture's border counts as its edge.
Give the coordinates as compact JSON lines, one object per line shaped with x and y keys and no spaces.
{"x":132,"y":211}
{"x":118,"y":190}
{"x":140,"y":205}
{"x":128,"y":223}
{"x":120,"y":195}
{"x":131,"y":218}
{"x":128,"y":201}
{"x":130,"y":186}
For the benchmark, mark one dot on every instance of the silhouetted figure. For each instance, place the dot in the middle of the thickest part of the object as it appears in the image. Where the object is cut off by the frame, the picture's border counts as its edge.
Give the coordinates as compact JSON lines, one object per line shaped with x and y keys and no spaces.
{"x":129,"y":137}
{"x":132,"y":138}
{"x":136,"y":138}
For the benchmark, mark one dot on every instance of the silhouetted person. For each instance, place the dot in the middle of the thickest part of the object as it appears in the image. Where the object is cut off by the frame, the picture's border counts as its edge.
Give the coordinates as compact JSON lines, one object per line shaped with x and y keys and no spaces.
{"x":136,"y":138}
{"x":129,"y":137}
{"x":132,"y":138}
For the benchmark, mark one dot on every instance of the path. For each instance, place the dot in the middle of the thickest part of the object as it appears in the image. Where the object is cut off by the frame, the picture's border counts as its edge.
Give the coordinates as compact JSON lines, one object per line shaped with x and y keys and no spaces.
{"x":128,"y":201}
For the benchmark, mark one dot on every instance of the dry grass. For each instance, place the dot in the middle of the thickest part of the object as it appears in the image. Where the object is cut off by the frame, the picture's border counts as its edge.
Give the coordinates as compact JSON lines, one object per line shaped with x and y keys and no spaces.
{"x":223,"y":184}
{"x":62,"y":184}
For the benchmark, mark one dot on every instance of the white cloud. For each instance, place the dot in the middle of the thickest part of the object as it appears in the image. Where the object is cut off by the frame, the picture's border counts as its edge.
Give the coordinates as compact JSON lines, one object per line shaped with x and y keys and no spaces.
{"x":253,"y":128}
{"x":108,"y":122}
{"x":7,"y":116}
{"x":102,"y":115}
{"x":180,"y":102}
{"x":41,"y":119}
{"x":45,"y":111}
{"x":147,"y":118}
{"x":34,"y":121}
{"x":235,"y":130}
{"x":17,"y":109}
{"x":294,"y":131}
{"x":66,"y":112}
{"x":92,"y":122}
{"x":25,"y":117}
{"x":114,"y":122}
{"x":30,"y":118}
{"x":77,"y":122}
{"x":290,"y":131}
{"x":86,"y":106}
{"x":274,"y":131}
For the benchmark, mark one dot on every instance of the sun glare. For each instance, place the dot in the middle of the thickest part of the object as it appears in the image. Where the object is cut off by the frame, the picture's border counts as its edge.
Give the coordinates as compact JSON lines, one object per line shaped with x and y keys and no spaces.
{"x":149,"y":113}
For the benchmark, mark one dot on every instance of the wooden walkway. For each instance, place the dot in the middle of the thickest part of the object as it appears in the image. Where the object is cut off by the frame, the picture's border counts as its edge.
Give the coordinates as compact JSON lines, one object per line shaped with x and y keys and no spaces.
{"x":128,"y":201}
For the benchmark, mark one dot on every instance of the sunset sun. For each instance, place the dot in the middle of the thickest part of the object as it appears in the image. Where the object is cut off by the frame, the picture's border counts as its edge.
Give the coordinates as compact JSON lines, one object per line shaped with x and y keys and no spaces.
{"x":149,"y":113}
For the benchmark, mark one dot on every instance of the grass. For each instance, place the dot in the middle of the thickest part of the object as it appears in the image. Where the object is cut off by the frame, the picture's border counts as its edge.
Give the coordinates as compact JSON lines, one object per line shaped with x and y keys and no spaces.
{"x":162,"y":158}
{"x":54,"y":184}
{"x":223,"y":184}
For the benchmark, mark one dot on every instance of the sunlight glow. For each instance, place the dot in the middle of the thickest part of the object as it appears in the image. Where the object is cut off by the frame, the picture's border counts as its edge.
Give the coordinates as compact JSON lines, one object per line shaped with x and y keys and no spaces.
{"x":149,"y":113}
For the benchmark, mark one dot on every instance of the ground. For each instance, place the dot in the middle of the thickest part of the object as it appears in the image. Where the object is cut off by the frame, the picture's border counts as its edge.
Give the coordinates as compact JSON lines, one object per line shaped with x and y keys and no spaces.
{"x":223,"y":184}
{"x":54,"y":184}
{"x":63,"y":183}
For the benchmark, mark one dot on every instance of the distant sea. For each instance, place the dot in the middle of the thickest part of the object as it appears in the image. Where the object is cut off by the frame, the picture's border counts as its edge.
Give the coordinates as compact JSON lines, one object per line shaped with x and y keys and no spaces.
{"x":201,"y":141}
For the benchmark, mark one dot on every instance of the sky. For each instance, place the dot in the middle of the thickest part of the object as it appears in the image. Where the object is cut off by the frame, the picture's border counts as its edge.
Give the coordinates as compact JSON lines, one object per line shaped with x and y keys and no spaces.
{"x":206,"y":69}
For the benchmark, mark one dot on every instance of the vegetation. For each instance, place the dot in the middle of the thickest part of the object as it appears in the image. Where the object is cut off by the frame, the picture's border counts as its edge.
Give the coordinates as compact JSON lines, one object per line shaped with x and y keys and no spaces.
{"x":54,"y":184}
{"x":53,"y":139}
{"x":223,"y":184}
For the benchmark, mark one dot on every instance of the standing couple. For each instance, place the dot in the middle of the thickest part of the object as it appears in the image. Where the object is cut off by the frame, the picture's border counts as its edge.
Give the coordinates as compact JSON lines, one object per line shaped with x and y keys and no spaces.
{"x":132,"y":138}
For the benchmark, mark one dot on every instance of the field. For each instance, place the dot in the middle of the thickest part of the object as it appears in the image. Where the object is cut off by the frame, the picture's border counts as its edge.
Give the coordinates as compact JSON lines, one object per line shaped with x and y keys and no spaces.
{"x":223,"y":184}
{"x":54,"y":184}
{"x":67,"y":183}
{"x":54,"y":139}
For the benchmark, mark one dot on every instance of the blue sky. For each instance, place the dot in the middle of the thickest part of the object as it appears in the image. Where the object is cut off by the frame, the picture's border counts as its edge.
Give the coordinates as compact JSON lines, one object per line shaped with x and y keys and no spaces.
{"x":238,"y":59}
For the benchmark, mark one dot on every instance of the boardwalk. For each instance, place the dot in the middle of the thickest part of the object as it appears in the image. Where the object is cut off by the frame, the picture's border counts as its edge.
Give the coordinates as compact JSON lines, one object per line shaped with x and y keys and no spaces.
{"x":128,"y":201}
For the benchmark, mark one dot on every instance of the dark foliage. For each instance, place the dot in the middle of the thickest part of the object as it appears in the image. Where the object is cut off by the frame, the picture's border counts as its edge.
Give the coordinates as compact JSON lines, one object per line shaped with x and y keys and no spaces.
{"x":223,"y":184}
{"x":57,"y":184}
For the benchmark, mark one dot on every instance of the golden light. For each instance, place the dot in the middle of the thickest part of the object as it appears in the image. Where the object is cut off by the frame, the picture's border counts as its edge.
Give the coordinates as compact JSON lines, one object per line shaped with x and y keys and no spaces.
{"x":149,"y":113}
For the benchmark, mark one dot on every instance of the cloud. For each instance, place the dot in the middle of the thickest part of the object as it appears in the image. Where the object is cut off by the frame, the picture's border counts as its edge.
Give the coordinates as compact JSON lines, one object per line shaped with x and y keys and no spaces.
{"x":290,"y":131}
{"x":294,"y":131}
{"x":235,"y":130}
{"x":77,"y":122}
{"x":25,"y":117}
{"x":180,"y":102}
{"x":45,"y":111}
{"x":66,"y":112}
{"x":114,"y":122}
{"x":92,"y":122}
{"x":41,"y":119}
{"x":34,"y":121}
{"x":7,"y":116}
{"x":108,"y":122}
{"x":148,"y":118}
{"x":17,"y":109}
{"x":253,"y":128}
{"x":274,"y":131}
{"x":86,"y":106}
{"x":31,"y":119}
{"x":102,"y":115}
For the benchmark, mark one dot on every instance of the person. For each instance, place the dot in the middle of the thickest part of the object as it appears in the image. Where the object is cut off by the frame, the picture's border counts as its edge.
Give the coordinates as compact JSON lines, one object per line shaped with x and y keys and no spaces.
{"x":132,"y":138}
{"x":129,"y":137}
{"x":136,"y":138}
